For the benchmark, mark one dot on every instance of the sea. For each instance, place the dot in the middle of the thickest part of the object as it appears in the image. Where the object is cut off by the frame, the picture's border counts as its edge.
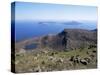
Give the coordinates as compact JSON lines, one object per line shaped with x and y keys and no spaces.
{"x":26,"y":30}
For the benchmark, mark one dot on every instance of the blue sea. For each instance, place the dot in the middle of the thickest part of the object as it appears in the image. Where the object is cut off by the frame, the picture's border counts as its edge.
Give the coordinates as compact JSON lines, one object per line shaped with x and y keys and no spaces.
{"x":26,"y":30}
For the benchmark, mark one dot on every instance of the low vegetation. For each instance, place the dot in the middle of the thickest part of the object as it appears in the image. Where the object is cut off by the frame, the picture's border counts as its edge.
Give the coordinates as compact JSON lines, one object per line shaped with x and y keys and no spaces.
{"x":52,"y":60}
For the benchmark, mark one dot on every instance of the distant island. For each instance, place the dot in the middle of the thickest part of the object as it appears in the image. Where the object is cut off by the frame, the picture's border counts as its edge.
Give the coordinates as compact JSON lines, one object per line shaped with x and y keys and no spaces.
{"x":66,"y":23}
{"x":72,"y":23}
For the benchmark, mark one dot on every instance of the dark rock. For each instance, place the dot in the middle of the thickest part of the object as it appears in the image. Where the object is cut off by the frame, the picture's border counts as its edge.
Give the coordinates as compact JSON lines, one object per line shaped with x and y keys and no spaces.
{"x":72,"y":58}
{"x":88,"y":59}
{"x":84,"y":62}
{"x":94,"y":51}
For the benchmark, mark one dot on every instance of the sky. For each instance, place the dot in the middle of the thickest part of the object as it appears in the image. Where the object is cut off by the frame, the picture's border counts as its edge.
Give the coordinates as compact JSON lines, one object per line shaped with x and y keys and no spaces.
{"x":26,"y":11}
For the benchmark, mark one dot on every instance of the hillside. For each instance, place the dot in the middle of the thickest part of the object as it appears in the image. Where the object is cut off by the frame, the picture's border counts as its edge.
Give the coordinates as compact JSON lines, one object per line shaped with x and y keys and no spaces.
{"x":68,"y":39}
{"x":70,"y":49}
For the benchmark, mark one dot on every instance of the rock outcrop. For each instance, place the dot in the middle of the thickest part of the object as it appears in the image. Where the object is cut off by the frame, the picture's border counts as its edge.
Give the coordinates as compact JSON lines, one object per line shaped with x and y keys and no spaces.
{"x":70,"y":39}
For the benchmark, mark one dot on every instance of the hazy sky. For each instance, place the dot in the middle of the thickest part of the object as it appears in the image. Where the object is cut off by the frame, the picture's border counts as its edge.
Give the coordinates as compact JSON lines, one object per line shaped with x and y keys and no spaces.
{"x":53,"y":12}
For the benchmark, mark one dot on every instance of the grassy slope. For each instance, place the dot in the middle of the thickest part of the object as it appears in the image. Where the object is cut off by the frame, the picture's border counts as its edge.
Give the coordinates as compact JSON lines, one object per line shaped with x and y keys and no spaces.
{"x":40,"y":61}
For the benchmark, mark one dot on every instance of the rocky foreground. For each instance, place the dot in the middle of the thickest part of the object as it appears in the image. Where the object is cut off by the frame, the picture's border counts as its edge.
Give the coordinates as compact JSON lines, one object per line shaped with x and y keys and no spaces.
{"x":47,"y":60}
